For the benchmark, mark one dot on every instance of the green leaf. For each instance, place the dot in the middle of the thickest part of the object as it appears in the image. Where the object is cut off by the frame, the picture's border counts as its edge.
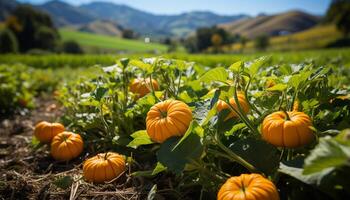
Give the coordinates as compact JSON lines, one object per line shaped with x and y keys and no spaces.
{"x":327,"y":154}
{"x":158,"y":169}
{"x":216,"y":74}
{"x":99,"y":93}
{"x":152,"y":193}
{"x":237,"y":66}
{"x":188,"y":132}
{"x":175,"y":160}
{"x":64,"y":182}
{"x":185,"y":97}
{"x":278,"y":87}
{"x":258,"y":153}
{"x":140,"y":138}
{"x":235,"y":128}
{"x":144,"y":66}
{"x":254,"y":67}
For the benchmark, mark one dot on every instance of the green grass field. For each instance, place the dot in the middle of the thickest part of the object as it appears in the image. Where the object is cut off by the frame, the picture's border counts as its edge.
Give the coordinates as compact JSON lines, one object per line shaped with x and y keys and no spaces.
{"x":86,"y":60}
{"x":93,"y":42}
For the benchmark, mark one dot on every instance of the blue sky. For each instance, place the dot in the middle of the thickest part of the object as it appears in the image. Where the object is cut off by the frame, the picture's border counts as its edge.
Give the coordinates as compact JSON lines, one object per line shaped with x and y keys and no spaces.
{"x":252,"y":7}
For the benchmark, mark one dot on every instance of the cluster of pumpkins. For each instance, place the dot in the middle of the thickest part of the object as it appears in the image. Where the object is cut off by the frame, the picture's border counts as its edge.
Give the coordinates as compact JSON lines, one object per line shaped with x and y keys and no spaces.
{"x":283,"y":129}
{"x":171,"y":118}
{"x":66,"y":146}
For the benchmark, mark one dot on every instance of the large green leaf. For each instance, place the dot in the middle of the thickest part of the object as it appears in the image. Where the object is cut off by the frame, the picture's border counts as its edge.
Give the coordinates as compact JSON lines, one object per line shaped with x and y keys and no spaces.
{"x":140,"y":138}
{"x":216,"y":74}
{"x":176,"y":159}
{"x":254,"y":67}
{"x":327,"y":154}
{"x":258,"y":153}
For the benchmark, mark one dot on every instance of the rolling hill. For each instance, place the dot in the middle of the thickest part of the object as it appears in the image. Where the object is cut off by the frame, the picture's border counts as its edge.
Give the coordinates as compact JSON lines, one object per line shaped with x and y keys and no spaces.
{"x":102,"y":27}
{"x":313,"y":38}
{"x":104,"y":43}
{"x":65,"y":14}
{"x":272,"y":25}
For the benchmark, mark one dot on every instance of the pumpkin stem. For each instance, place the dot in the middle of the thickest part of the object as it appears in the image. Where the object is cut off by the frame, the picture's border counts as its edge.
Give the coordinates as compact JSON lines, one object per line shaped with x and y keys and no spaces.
{"x":287,"y":115}
{"x":163,"y":114}
{"x":106,"y":155}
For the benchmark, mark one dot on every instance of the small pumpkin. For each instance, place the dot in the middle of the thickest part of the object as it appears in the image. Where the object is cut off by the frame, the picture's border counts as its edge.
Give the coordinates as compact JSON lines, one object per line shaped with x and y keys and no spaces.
{"x":222,"y":105}
{"x":167,"y":119}
{"x":141,"y":87}
{"x":287,"y":129}
{"x":66,"y":145}
{"x":45,"y":131}
{"x":248,"y":186}
{"x":103,"y":167}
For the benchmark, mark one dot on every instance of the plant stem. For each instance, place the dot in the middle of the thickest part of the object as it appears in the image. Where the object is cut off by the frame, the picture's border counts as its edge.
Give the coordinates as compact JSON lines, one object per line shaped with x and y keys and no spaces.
{"x":234,"y":157}
{"x":246,"y":95}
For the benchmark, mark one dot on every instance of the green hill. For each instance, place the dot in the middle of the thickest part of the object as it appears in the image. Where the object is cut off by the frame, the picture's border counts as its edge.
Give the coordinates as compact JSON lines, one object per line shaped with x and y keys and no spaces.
{"x":93,"y":42}
{"x":313,"y":38}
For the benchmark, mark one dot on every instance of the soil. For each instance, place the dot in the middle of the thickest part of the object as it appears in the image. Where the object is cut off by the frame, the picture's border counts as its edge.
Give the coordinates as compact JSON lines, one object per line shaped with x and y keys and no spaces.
{"x":27,"y":171}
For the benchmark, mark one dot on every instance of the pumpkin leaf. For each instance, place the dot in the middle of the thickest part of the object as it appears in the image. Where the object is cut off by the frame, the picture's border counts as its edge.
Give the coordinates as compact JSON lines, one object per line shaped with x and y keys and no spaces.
{"x":175,"y":160}
{"x":140,"y":138}
{"x":260,"y":154}
{"x":99,"y":93}
{"x":278,"y":87}
{"x":64,"y":182}
{"x":158,"y":169}
{"x":237,"y":66}
{"x":254,"y":67}
{"x":326,"y":155}
{"x":216,"y":74}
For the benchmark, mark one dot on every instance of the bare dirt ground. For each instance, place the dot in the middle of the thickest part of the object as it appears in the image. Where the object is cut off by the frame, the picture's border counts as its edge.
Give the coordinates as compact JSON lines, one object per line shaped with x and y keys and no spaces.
{"x":30,"y":173}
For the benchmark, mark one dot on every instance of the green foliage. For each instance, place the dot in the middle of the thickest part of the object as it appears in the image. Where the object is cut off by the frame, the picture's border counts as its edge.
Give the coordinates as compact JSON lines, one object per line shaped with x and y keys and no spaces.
{"x":32,"y":28}
{"x":8,"y":42}
{"x":262,"y":42}
{"x":339,"y":13}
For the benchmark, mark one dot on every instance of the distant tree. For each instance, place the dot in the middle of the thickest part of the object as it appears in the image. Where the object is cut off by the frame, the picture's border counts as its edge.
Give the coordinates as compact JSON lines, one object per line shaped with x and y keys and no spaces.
{"x":262,"y":42}
{"x":8,"y":42}
{"x":71,"y":47}
{"x":190,"y":44}
{"x":46,"y":38}
{"x":128,"y":33}
{"x":243,"y":40}
{"x":339,"y":13}
{"x":216,"y":41}
{"x":203,"y":39}
{"x":26,"y":23}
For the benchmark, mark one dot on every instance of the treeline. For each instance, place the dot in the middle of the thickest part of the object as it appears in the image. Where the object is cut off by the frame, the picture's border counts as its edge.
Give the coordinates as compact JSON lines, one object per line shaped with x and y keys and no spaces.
{"x":27,"y":30}
{"x":213,"y":39}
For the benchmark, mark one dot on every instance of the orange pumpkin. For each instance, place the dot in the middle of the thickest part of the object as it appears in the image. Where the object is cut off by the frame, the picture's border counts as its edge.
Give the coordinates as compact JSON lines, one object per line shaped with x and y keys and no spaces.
{"x":248,"y":187}
{"x":287,"y":131}
{"x":141,"y":87}
{"x":103,"y":167}
{"x":45,"y":131}
{"x":66,"y":145}
{"x":167,"y":119}
{"x":222,"y":105}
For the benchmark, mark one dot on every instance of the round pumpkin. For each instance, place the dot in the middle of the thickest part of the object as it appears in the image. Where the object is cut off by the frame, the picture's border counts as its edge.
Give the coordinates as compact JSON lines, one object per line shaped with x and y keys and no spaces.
{"x":167,"y":119}
{"x":45,"y":131}
{"x":66,"y":145}
{"x":248,"y":187}
{"x":287,"y":131}
{"x":103,"y":167}
{"x":222,"y":105}
{"x":141,"y":87}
